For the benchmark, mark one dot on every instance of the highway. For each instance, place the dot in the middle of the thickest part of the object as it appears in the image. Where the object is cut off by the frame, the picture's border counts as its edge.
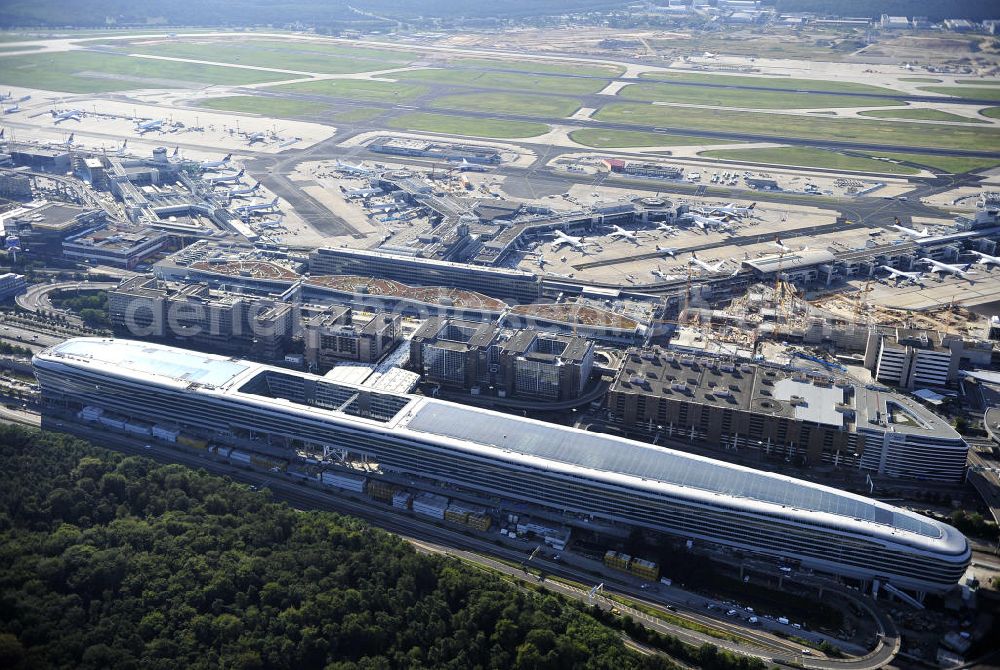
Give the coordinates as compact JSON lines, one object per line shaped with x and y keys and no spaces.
{"x":984,"y":475}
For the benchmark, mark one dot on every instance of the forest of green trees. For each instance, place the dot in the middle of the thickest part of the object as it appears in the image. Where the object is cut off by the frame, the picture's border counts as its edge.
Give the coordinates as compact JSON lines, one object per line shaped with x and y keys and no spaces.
{"x":113,"y":561}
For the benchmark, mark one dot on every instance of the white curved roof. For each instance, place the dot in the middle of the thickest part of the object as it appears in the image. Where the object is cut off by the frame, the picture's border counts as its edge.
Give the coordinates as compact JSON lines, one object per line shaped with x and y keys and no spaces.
{"x":601,"y":457}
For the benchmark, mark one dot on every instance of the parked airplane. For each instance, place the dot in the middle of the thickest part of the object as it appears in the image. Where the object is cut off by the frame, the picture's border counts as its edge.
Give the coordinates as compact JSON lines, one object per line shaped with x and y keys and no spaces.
{"x":356,"y":170}
{"x":260,"y":207}
{"x":274,"y":223}
{"x":69,"y":141}
{"x":667,"y":228}
{"x":669,"y":251}
{"x":466,"y":166}
{"x":916,"y":234}
{"x":6,"y":96}
{"x":249,"y":190}
{"x":253,"y":138}
{"x":206,"y":165}
{"x":149,"y":126}
{"x":233,"y":177}
{"x":13,"y":108}
{"x":986,"y":259}
{"x":707,"y":267}
{"x":706,"y":223}
{"x":66,"y":115}
{"x":732,"y":209}
{"x":620,"y":233}
{"x":564,"y":240}
{"x":900,"y":276}
{"x":659,"y":273}
{"x":784,"y":247}
{"x":946,"y":269}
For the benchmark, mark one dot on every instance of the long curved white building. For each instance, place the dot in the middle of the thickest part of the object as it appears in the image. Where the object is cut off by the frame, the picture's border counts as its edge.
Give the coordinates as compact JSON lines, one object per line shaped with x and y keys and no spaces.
{"x":515,"y":460}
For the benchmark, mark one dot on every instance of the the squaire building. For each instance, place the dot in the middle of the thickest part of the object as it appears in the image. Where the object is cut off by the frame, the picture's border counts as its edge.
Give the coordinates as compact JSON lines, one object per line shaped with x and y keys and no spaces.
{"x":516,"y":460}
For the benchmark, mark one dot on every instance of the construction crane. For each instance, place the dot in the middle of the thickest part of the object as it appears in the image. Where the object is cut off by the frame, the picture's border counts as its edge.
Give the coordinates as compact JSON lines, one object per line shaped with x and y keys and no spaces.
{"x":778,"y":282}
{"x":861,"y":312}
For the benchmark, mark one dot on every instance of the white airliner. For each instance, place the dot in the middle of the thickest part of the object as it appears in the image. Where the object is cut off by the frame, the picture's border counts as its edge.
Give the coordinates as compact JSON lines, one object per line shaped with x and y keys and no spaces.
{"x":986,"y":259}
{"x":273,"y":223}
{"x":357,"y":170}
{"x":900,"y":276}
{"x":669,"y":251}
{"x":149,"y":126}
{"x":916,"y":234}
{"x":6,"y":96}
{"x":226,"y":178}
{"x":732,"y":209}
{"x":946,"y":269}
{"x":668,"y":229}
{"x":707,"y":267}
{"x":261,"y":207}
{"x":253,"y":138}
{"x":563,"y":240}
{"x":620,"y":233}
{"x":69,"y":141}
{"x":249,"y":190}
{"x":67,"y":115}
{"x":12,"y":109}
{"x":784,"y":247}
{"x":706,"y":223}
{"x":466,"y":166}
{"x":214,"y":164}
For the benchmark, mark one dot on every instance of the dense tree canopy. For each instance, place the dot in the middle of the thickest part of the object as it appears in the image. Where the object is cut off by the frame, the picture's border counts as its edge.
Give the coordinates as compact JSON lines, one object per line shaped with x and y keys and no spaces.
{"x":108,"y":561}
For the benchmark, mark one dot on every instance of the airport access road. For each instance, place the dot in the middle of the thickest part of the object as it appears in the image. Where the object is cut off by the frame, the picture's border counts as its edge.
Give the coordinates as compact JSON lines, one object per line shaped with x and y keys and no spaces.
{"x":985,"y":478}
{"x":37,"y":297}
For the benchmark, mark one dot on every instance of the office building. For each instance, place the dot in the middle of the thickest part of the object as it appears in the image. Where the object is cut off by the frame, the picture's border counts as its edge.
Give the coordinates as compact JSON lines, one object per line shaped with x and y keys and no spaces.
{"x":914,"y":359}
{"x":784,"y":413}
{"x":457,"y":354}
{"x":42,"y":230}
{"x":644,"y":169}
{"x":423,"y":443}
{"x":338,"y":334}
{"x":12,"y":285}
{"x":115,"y":244}
{"x":15,"y":185}
{"x":543,"y":365}
{"x":43,"y":159}
{"x":201,"y":317}
{"x":481,"y":357}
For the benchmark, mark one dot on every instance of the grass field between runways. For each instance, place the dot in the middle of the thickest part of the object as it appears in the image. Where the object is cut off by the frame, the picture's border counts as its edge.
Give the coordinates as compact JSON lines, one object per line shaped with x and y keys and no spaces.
{"x":265,"y":106}
{"x":91,"y":72}
{"x":776,"y":125}
{"x":464,"y":125}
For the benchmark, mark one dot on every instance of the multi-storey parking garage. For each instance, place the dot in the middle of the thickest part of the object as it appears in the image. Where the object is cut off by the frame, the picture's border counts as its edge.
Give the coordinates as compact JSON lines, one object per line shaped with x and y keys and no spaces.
{"x":512,"y":460}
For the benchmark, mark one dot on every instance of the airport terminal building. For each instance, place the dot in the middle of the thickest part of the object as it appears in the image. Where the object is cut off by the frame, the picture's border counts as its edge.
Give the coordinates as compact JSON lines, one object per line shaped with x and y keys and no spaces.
{"x":511,"y":461}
